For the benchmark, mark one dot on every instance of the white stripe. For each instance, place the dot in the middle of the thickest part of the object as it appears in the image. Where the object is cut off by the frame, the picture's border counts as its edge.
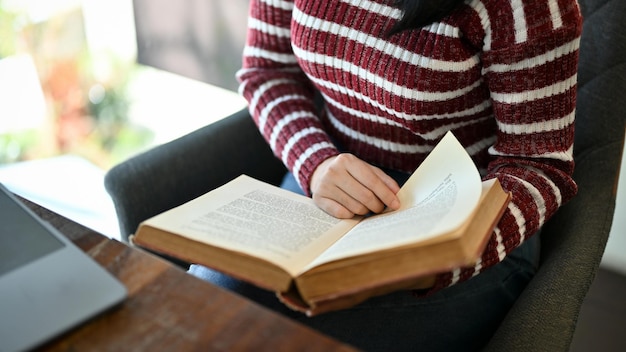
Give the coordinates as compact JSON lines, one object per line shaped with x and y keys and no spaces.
{"x":377,"y":142}
{"x":540,"y":202}
{"x":555,"y":190}
{"x":440,"y":131}
{"x":538,"y":127}
{"x":294,"y":139}
{"x":478,"y":267}
{"x":254,"y":101}
{"x":412,"y":148}
{"x":536,"y":94}
{"x":288,"y":69}
{"x":536,"y":61}
{"x":382,"y":83}
{"x":566,"y":156}
{"x":399,"y":114}
{"x":364,"y":115}
{"x":268,"y":28}
{"x":499,"y":245}
{"x":519,"y":219}
{"x":280,"y":4}
{"x":456,"y":275}
{"x":519,"y":18}
{"x":267,"y":109}
{"x":251,"y":51}
{"x":480,"y":145}
{"x":307,"y":153}
{"x":407,"y":117}
{"x":370,"y":6}
{"x":285,"y":121}
{"x":555,"y":14}
{"x":386,"y":47}
{"x":242,"y":88}
{"x":444,"y":30}
{"x":485,"y":21}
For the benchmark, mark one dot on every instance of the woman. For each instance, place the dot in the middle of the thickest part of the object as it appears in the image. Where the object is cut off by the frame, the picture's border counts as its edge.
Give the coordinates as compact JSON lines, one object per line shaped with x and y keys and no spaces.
{"x":394,"y":77}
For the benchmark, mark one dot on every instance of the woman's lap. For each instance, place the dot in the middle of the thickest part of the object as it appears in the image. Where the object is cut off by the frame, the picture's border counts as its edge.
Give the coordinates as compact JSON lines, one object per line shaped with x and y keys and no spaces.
{"x":461,"y":317}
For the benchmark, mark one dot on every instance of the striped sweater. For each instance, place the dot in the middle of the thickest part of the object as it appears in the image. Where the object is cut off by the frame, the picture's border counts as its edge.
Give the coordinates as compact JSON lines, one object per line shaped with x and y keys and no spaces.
{"x":500,"y":74}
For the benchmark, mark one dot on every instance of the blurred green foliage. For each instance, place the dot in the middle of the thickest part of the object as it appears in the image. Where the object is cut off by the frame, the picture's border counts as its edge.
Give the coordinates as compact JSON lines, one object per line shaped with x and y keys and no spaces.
{"x":89,"y":113}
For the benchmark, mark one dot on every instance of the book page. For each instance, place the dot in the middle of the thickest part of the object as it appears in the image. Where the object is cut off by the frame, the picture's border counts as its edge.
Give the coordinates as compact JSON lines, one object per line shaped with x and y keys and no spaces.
{"x":436,"y":199}
{"x":258,"y":219}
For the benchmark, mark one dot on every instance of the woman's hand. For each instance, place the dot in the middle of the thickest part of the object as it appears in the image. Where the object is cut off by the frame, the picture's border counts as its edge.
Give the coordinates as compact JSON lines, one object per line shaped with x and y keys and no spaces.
{"x":344,"y":186}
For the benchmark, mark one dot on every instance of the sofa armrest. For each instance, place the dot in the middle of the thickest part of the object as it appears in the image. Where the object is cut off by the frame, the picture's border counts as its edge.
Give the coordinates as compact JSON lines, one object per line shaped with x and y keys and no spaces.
{"x":176,"y":172}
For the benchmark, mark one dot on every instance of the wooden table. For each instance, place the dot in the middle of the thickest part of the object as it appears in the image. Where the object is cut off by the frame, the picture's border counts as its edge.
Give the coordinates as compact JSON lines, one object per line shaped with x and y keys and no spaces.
{"x":169,"y":310}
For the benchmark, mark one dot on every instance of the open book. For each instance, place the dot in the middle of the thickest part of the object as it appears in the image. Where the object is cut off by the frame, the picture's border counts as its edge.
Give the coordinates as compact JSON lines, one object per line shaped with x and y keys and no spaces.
{"x":282,"y":241}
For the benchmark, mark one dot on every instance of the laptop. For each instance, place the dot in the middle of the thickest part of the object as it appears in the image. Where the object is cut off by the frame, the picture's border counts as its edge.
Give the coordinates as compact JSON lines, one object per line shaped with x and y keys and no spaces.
{"x":47,"y":284}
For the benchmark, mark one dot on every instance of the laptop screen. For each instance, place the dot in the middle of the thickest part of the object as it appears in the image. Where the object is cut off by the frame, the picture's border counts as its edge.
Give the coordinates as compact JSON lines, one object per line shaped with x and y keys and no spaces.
{"x":21,"y":239}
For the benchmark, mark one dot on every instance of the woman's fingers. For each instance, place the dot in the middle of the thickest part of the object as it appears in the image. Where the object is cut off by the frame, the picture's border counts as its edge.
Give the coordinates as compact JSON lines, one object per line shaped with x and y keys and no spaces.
{"x":345,"y":185}
{"x":378,"y":190}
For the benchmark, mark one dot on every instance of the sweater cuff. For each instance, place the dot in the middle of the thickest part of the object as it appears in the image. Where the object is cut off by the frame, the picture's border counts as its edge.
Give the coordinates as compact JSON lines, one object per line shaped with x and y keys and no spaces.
{"x":310,"y":165}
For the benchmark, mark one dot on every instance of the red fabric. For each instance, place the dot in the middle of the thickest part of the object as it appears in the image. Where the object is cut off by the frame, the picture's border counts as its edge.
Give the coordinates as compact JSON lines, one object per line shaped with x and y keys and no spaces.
{"x":501,"y":74}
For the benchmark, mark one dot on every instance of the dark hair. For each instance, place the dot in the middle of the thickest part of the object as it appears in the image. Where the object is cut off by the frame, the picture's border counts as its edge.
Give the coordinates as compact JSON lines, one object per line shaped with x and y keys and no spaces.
{"x":419,"y":13}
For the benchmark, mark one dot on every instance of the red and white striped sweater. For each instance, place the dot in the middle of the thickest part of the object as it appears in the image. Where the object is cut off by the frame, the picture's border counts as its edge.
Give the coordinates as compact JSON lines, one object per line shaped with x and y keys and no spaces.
{"x":501,"y":74}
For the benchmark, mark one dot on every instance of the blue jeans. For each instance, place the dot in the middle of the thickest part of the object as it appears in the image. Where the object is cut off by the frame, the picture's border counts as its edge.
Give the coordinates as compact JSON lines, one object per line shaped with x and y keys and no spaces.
{"x":459,"y":318}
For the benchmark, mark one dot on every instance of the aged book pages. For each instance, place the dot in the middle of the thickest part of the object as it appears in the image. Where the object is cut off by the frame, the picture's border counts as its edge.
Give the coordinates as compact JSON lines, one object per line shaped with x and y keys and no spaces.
{"x":281,"y":241}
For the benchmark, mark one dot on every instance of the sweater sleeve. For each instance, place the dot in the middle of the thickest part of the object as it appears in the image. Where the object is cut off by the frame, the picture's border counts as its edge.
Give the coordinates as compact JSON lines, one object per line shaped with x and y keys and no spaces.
{"x":530,"y":59}
{"x":279,"y":95}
